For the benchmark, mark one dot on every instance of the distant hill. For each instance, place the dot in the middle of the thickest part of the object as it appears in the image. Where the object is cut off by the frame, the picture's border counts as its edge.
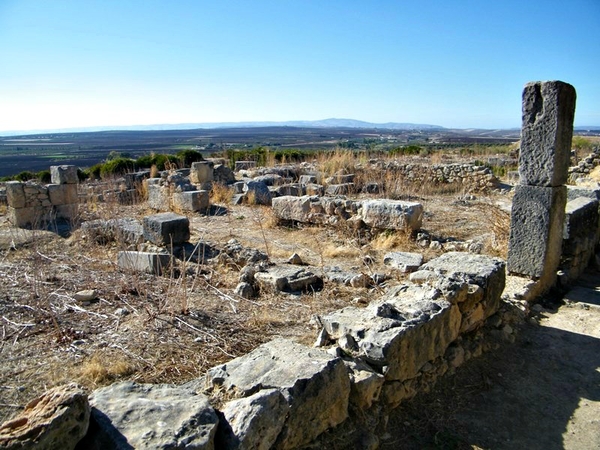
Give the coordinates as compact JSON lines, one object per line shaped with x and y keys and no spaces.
{"x":325,"y":123}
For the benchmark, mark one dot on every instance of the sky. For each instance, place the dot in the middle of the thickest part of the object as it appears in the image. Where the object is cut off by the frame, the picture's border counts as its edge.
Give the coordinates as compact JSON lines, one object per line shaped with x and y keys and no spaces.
{"x":453,"y":63}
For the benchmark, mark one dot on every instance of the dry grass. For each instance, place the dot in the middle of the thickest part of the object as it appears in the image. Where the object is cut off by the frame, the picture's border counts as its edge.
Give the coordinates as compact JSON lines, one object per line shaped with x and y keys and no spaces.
{"x":104,"y":367}
{"x":221,"y":194}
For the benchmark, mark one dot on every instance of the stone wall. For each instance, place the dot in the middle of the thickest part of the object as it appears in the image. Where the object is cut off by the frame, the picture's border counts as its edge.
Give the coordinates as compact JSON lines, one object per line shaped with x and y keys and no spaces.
{"x":472,"y":177}
{"x":585,"y":166}
{"x":34,"y":205}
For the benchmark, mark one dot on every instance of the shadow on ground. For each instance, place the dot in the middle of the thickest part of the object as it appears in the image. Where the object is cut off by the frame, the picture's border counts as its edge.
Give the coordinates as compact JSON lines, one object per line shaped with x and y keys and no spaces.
{"x":542,"y":392}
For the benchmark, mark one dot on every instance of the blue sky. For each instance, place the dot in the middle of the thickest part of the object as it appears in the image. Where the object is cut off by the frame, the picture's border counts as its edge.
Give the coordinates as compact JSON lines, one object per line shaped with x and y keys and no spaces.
{"x":451,"y":63}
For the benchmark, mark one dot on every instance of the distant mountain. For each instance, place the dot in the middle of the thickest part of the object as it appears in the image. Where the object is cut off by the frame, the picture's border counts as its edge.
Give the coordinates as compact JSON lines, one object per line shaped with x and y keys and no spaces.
{"x":326,"y":123}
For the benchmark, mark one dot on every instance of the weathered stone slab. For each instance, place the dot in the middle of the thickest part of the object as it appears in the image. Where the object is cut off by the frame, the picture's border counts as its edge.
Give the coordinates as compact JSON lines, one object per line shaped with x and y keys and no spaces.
{"x":62,"y":194}
{"x":536,"y":228}
{"x":365,"y":383}
{"x":574,"y":192}
{"x":28,"y":217}
{"x":244,"y":165}
{"x":257,"y":192}
{"x":484,"y":271}
{"x":314,"y":384}
{"x":202,"y":172}
{"x":391,"y":214}
{"x":408,"y":327}
{"x":15,"y":194}
{"x":64,"y":174}
{"x":145,"y":416}
{"x":403,"y":261}
{"x":339,"y":189}
{"x":546,"y":134}
{"x":191,"y":201}
{"x":166,"y":229}
{"x":127,"y":231}
{"x":295,"y":190}
{"x":58,"y":419}
{"x":289,"y":279}
{"x":153,"y":263}
{"x":307,"y":179}
{"x":255,"y":421}
{"x":298,"y":209}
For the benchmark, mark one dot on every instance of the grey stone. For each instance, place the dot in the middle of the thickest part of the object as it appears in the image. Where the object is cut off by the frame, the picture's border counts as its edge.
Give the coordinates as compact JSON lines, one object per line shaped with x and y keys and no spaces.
{"x":191,"y":201}
{"x":201,"y":172}
{"x":166,"y":229}
{"x":365,"y":383}
{"x":392,"y":214}
{"x":144,"y":416}
{"x":574,"y":192}
{"x":340,"y":189}
{"x":259,"y":192}
{"x":298,"y":209}
{"x":62,"y":194}
{"x":58,"y":419}
{"x":307,"y":179}
{"x":536,"y":228}
{"x":153,"y":263}
{"x":408,"y":327}
{"x":223,"y":174}
{"x":244,"y":290}
{"x":403,"y":261}
{"x":126,"y":231}
{"x":314,"y":384}
{"x":254,"y":422}
{"x":64,"y":174}
{"x":15,"y":194}
{"x":289,"y":279}
{"x":546,"y":134}
{"x":244,"y":165}
{"x":484,"y":271}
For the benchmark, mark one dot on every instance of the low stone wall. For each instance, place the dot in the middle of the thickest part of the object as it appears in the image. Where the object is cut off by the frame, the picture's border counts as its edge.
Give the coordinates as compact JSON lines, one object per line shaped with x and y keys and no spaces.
{"x":34,"y":205}
{"x":472,"y":177}
{"x":585,"y":166}
{"x":174,"y":192}
{"x":284,"y":395}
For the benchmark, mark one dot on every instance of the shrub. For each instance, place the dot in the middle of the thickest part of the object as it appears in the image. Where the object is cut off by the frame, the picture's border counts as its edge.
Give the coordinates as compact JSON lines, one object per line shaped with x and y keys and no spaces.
{"x":44,"y":176}
{"x":24,"y":176}
{"x":187,"y":157}
{"x":118,"y":166}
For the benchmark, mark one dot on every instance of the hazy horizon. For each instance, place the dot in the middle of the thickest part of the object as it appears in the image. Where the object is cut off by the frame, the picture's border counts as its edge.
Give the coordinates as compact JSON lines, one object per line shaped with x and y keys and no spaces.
{"x":455,"y":64}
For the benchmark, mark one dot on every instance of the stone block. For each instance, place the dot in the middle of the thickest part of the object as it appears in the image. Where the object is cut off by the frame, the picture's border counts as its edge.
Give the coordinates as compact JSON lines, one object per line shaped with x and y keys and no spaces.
{"x":62,"y":194}
{"x":28,"y":217}
{"x":257,"y":192}
{"x":403,"y":261}
{"x":340,"y":189}
{"x":307,"y":179}
{"x":223,"y":174}
{"x":146,"y":416}
{"x":67,"y":212}
{"x":399,"y":333}
{"x":64,"y":174}
{"x":314,"y":384}
{"x":289,"y":279}
{"x":202,"y":172}
{"x":191,"y":201}
{"x":290,"y":189}
{"x":158,"y":197}
{"x":166,"y":229}
{"x":574,"y":192}
{"x":546,"y":134}
{"x":58,"y":419}
{"x":147,"y":262}
{"x":486,"y":272}
{"x":391,"y":214}
{"x":15,"y":194}
{"x":536,"y":229}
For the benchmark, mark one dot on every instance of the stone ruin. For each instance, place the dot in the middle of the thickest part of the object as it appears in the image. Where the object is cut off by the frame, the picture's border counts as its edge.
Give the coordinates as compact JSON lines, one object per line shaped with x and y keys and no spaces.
{"x":32,"y":205}
{"x":365,"y":360}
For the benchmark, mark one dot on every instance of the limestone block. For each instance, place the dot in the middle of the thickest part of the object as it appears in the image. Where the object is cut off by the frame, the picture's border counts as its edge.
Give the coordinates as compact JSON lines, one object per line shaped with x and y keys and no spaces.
{"x":202,"y":172}
{"x":314,"y":189}
{"x":365,"y":383}
{"x":547,"y":130}
{"x":223,"y":174}
{"x":480,"y":270}
{"x":391,"y":214}
{"x":574,"y":192}
{"x":127,"y":231}
{"x":408,"y":327}
{"x":28,"y":217}
{"x":314,"y":384}
{"x":58,"y":419}
{"x":536,"y":228}
{"x":191,"y":201}
{"x":166,"y":229}
{"x":289,"y":279}
{"x":62,"y":194}
{"x":146,"y":416}
{"x":340,"y":189}
{"x":158,"y":197}
{"x":259,"y":192}
{"x":307,"y":179}
{"x":403,"y":261}
{"x":290,"y":189}
{"x":255,"y":421}
{"x":64,"y":174}
{"x":298,"y":209}
{"x":270,"y":179}
{"x":15,"y":195}
{"x":147,"y":262}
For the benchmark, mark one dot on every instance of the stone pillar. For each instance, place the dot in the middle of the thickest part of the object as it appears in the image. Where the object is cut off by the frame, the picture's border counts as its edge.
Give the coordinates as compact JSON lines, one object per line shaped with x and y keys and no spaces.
{"x":538,"y":209}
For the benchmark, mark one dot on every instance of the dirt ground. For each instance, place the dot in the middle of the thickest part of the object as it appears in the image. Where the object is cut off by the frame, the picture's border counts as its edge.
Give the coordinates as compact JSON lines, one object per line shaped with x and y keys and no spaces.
{"x":541,"y":392}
